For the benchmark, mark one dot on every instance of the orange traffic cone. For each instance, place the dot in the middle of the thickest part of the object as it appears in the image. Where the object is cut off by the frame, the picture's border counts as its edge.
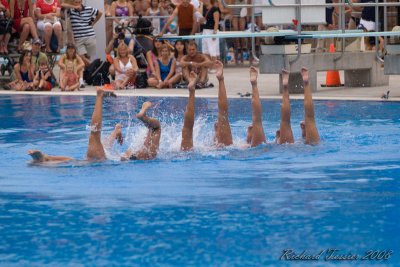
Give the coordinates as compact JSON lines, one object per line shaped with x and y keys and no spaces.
{"x":332,"y":76}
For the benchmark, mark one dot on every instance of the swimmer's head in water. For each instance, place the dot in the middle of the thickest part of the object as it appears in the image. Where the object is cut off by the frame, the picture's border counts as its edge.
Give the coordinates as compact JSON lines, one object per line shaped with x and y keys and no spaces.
{"x":249,"y":134}
{"x":303,"y":129}
{"x":36,"y":155}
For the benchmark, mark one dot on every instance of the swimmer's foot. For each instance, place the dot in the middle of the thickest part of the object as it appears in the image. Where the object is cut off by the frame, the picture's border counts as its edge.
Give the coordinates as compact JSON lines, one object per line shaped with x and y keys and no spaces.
{"x":220,"y":70}
{"x":118,"y":133}
{"x":37,"y":155}
{"x":105,"y":93}
{"x":304,"y":73}
{"x":142,"y":112}
{"x":253,"y":75}
{"x":192,"y":81}
{"x":285,"y":78}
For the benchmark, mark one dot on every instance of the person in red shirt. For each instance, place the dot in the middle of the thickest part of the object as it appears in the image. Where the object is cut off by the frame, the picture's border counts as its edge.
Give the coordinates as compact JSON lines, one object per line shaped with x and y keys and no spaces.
{"x":22,"y":14}
{"x":5,"y":27}
{"x":48,"y":14}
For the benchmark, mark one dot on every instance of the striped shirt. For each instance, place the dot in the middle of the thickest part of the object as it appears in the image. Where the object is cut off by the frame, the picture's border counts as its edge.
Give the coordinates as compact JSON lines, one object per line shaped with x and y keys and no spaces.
{"x":81,"y":21}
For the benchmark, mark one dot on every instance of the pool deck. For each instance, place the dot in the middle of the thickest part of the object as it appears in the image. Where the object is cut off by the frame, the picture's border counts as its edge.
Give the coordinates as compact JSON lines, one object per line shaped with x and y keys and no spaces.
{"x":237,"y":81}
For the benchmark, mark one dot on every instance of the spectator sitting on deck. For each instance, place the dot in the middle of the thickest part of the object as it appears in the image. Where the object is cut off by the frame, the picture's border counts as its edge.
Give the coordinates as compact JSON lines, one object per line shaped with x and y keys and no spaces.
{"x":125,"y":66}
{"x":70,"y":80}
{"x":24,"y":73}
{"x":76,"y":60}
{"x":118,"y":38}
{"x":197,"y":62}
{"x":166,"y":67}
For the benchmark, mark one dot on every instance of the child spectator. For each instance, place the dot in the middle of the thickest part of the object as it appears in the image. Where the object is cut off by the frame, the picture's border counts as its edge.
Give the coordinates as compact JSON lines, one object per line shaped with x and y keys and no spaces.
{"x":173,"y":27}
{"x":5,"y":27}
{"x":43,"y":80}
{"x":23,"y":72}
{"x":70,"y":81}
{"x":72,"y":56}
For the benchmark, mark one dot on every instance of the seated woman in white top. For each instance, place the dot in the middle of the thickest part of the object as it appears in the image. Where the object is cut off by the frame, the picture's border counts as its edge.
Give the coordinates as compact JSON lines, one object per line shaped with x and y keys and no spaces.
{"x":48,"y":14}
{"x":125,"y":66}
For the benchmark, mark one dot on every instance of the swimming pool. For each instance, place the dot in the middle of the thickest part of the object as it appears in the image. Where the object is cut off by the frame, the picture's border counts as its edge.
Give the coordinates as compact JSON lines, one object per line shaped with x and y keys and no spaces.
{"x":226,"y":207}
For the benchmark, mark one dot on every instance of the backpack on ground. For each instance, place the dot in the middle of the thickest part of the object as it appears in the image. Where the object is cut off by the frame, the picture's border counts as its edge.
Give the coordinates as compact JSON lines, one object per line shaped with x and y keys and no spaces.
{"x":97,"y":73}
{"x":141,"y":79}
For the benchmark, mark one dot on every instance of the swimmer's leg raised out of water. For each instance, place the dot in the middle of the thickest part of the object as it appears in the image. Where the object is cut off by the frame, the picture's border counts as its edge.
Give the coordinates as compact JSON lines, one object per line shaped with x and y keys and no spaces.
{"x":308,"y":127}
{"x":285,"y":134}
{"x":115,"y":135}
{"x":188,"y":123}
{"x":39,"y":157}
{"x":152,"y":141}
{"x":223,"y":132}
{"x":256,"y":134}
{"x":95,"y":148}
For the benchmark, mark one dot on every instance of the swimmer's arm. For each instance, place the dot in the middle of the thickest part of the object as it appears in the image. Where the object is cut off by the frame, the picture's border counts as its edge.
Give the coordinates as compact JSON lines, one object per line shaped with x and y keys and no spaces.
{"x":58,"y":158}
{"x":39,"y":156}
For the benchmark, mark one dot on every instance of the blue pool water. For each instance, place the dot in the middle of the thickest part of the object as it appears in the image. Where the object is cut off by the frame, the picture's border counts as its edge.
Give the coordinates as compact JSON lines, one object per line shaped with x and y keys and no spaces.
{"x":225,"y":207}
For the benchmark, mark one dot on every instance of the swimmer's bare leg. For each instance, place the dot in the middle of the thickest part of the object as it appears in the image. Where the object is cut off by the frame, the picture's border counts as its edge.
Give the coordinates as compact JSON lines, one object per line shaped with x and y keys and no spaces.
{"x":187,"y":130}
{"x":152,"y":141}
{"x":223,"y":132}
{"x":95,"y":148}
{"x":39,"y":156}
{"x":312,"y":135}
{"x":286,"y":134}
{"x":258,"y":136}
{"x":150,"y":123}
{"x":115,"y":135}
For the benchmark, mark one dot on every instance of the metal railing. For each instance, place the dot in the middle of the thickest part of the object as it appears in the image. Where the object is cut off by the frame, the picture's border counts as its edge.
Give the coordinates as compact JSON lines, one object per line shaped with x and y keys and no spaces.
{"x":342,"y":4}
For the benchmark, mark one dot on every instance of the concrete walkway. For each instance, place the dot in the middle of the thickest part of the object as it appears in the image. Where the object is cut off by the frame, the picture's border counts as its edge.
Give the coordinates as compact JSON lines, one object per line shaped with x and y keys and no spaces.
{"x":237,"y":81}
